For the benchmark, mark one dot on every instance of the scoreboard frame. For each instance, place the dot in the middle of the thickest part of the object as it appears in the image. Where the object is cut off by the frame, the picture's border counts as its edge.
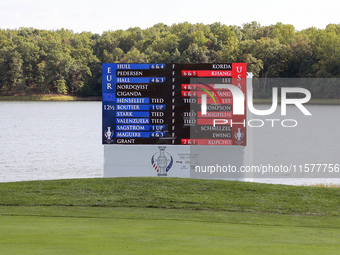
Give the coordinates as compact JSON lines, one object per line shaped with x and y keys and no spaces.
{"x":162,"y":103}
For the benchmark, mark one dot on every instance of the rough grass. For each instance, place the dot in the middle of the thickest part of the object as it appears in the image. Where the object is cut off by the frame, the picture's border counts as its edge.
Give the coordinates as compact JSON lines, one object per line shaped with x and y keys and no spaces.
{"x":174,"y":193}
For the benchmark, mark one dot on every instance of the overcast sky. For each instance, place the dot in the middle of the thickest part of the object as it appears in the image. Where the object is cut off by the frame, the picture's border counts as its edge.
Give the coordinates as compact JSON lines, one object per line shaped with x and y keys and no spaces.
{"x":103,"y":15}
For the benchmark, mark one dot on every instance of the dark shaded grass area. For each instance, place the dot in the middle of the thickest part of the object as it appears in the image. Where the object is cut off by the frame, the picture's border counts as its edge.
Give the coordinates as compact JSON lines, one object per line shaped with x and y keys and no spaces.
{"x":174,"y":193}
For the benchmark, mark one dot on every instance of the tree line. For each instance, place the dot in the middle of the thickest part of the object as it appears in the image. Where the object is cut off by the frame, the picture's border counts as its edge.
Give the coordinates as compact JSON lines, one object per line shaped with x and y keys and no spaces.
{"x":34,"y":61}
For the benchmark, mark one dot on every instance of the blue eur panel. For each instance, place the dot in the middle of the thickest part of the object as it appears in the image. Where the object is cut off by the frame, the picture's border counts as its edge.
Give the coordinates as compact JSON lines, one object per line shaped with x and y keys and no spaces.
{"x":109,"y":78}
{"x":108,"y":103}
{"x":129,"y":114}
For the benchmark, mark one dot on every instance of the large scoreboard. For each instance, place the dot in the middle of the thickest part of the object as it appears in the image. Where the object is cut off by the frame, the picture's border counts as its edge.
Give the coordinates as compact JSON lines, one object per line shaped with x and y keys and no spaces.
{"x":166,"y":103}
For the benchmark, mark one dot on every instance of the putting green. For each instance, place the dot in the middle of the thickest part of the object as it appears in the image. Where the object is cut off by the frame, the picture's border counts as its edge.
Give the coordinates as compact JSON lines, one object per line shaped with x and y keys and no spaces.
{"x":80,"y":230}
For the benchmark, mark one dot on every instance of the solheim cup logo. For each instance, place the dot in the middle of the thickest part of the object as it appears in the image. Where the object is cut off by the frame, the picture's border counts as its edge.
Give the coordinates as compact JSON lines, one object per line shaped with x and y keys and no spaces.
{"x":239,"y":136}
{"x":160,"y":164}
{"x":108,"y":135}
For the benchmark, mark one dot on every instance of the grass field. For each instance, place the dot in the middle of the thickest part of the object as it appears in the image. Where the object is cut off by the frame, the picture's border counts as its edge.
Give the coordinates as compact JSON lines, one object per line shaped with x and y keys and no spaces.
{"x":167,"y":216}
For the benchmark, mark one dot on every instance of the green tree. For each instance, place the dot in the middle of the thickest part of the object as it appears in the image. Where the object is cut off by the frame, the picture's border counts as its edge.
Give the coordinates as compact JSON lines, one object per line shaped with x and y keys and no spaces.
{"x":30,"y":53}
{"x":134,"y":56}
{"x":300,"y":61}
{"x":4,"y":42}
{"x":41,"y":86}
{"x":228,"y":39}
{"x":199,"y":38}
{"x":166,"y":44}
{"x":274,"y":57}
{"x":327,"y":53}
{"x":60,"y":87}
{"x":11,"y":74}
{"x":251,"y":30}
{"x":176,"y":56}
{"x":195,"y":54}
{"x":273,"y":54}
{"x":284,"y":33}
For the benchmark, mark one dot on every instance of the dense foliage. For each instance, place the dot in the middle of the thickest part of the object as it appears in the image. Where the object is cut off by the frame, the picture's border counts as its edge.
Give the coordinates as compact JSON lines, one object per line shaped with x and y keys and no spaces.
{"x":36,"y":61}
